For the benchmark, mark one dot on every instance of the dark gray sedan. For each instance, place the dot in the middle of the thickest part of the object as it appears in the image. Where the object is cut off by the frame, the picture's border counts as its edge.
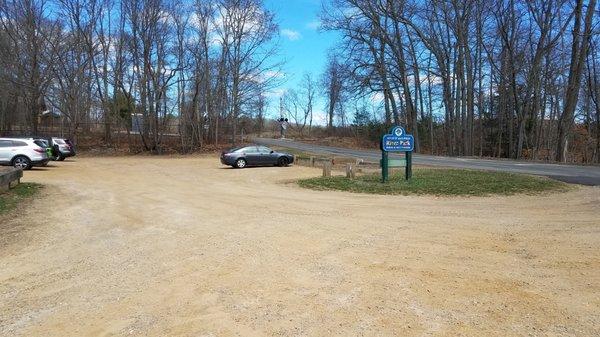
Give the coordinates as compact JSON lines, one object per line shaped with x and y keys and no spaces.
{"x":255,"y":155}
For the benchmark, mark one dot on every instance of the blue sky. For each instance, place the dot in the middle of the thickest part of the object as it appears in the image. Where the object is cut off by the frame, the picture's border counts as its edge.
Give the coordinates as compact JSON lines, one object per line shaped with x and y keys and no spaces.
{"x":302,"y":45}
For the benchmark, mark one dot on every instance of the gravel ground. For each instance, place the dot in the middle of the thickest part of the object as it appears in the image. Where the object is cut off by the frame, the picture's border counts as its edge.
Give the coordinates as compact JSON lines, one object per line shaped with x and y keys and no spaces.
{"x":182,"y":246}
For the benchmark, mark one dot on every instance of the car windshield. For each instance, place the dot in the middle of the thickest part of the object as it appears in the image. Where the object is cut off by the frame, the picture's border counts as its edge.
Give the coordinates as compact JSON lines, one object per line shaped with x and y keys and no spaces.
{"x":59,"y":141}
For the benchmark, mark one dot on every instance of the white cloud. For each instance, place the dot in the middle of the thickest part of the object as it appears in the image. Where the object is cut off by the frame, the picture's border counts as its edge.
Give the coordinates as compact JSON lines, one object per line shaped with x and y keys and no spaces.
{"x":262,"y":77}
{"x":275,"y":93}
{"x":291,"y":35}
{"x":218,"y":23}
{"x":320,"y":118}
{"x":274,"y":74}
{"x":435,"y":80}
{"x":314,"y":25}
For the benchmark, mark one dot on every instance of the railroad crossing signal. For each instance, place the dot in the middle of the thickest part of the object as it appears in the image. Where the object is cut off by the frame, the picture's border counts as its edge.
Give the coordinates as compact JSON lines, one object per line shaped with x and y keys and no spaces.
{"x":283,"y":125}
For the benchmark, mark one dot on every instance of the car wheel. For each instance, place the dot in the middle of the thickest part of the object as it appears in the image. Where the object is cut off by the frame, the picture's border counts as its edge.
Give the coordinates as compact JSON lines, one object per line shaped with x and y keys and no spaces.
{"x":283,"y":161}
{"x":240,"y":163}
{"x":22,"y":162}
{"x":61,"y":158}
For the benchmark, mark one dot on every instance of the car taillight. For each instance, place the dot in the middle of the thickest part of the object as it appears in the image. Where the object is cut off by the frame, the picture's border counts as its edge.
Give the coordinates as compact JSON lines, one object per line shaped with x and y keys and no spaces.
{"x":39,"y":150}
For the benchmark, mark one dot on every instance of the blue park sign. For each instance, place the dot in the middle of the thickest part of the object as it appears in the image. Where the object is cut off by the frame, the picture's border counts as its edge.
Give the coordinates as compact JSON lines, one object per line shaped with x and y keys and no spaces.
{"x":397,"y":141}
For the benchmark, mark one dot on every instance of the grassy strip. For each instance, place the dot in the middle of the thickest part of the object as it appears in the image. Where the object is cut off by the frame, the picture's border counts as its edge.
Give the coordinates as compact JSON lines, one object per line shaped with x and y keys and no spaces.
{"x":10,"y":199}
{"x":450,"y":182}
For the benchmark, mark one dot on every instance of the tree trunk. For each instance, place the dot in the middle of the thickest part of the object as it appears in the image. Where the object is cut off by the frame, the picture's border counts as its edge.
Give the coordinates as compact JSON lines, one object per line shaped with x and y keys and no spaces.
{"x":578,"y":56}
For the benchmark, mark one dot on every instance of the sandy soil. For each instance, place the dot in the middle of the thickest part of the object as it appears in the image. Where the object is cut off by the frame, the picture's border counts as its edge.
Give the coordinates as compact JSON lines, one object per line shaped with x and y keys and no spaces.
{"x":183,"y":246}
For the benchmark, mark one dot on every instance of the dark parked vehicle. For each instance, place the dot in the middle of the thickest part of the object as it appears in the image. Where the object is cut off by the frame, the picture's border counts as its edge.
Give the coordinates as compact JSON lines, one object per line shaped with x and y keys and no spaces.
{"x":61,"y":148}
{"x":43,"y":143}
{"x":255,"y":155}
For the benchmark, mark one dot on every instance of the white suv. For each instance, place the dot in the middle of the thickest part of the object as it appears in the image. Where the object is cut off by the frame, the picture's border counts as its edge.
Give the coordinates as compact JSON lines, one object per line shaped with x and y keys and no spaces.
{"x":22,"y":153}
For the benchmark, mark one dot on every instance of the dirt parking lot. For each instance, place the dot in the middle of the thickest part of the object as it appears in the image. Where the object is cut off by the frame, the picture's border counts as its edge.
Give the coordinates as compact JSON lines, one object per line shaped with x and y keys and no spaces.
{"x":183,"y":246}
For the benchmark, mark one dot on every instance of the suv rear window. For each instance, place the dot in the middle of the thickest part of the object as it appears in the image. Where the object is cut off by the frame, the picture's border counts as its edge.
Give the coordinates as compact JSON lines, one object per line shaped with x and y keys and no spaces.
{"x":40,"y":143}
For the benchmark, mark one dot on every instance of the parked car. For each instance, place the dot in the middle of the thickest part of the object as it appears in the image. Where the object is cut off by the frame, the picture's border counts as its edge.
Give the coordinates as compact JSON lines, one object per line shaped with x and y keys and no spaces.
{"x":43,"y":143}
{"x":61,"y":148}
{"x":255,"y":155}
{"x":22,"y":153}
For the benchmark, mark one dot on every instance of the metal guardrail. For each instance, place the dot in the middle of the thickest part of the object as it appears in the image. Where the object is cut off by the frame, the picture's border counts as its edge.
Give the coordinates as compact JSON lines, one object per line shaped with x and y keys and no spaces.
{"x":10,"y":178}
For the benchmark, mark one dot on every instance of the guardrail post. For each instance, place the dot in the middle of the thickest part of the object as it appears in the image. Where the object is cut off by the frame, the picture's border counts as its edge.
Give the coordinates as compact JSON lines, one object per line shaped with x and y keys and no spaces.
{"x":349,"y":171}
{"x":327,"y":169}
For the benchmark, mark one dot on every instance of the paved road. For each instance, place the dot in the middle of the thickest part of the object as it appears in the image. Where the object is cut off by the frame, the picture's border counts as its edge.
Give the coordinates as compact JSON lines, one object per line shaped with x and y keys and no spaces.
{"x":584,"y":175}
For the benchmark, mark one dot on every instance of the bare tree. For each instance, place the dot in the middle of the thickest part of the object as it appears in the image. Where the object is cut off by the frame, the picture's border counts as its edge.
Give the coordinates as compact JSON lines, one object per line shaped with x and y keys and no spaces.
{"x":580,"y":47}
{"x":308,"y":87}
{"x":244,"y":32}
{"x":332,"y":83}
{"x":511,"y":78}
{"x":27,"y":28}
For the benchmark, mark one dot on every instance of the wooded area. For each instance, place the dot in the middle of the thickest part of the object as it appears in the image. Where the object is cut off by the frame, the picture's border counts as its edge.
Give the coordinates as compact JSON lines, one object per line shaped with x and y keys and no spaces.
{"x":509,"y":78}
{"x":192,"y":68}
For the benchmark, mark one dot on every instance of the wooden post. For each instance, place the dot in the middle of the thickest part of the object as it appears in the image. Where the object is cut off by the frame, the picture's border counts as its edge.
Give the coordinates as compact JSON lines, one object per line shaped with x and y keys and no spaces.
{"x":312,"y":161}
{"x":327,"y":169}
{"x":349,"y":171}
{"x":357,"y":168}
